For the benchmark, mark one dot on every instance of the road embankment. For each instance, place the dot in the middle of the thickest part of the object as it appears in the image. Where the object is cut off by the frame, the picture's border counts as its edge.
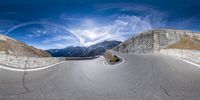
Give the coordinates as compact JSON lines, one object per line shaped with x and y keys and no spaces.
{"x":191,"y":55}
{"x":20,"y":62}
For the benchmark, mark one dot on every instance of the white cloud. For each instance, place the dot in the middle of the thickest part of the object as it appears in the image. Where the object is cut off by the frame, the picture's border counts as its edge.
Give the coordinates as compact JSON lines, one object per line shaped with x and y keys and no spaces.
{"x":59,"y":41}
{"x":158,"y":17}
{"x":88,"y":32}
{"x":57,"y":45}
{"x":119,"y":29}
{"x":58,"y":38}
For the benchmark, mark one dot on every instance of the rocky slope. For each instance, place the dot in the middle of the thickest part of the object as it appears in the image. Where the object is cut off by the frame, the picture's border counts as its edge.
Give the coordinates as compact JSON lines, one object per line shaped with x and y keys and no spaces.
{"x":81,"y":51}
{"x":13,"y":47}
{"x":157,"y":39}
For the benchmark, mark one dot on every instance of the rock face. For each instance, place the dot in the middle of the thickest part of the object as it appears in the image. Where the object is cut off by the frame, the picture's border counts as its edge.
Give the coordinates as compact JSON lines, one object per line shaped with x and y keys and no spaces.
{"x":155,"y":40}
{"x":13,"y":47}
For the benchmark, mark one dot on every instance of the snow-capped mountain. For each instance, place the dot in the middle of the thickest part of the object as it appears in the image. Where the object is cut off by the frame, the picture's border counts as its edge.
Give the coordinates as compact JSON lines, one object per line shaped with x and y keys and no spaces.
{"x":81,"y":51}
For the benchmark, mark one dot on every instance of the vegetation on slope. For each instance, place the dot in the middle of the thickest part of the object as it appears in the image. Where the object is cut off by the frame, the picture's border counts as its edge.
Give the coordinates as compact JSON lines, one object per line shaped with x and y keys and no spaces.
{"x":186,"y":42}
{"x":111,"y":58}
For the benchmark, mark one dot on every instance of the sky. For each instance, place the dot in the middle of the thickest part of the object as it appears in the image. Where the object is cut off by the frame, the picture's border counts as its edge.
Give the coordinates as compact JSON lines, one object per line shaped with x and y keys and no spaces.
{"x":49,"y":24}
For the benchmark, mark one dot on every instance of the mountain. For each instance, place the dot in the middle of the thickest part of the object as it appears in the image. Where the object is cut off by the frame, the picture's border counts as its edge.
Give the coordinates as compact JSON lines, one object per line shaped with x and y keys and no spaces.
{"x":157,"y":39}
{"x":13,"y":47}
{"x":81,"y":51}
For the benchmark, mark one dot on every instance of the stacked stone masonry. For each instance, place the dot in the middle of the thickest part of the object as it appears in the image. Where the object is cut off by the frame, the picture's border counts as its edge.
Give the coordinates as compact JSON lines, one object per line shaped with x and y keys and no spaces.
{"x":153,"y":40}
{"x":27,"y":62}
{"x":157,"y":41}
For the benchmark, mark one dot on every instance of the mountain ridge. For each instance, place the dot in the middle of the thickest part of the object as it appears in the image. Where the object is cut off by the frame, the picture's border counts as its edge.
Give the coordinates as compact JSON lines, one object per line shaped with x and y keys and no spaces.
{"x":82,"y":51}
{"x":13,"y":47}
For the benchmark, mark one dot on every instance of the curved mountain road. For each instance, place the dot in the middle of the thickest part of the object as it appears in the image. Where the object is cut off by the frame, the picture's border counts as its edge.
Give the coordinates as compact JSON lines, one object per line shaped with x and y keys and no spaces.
{"x":139,"y":77}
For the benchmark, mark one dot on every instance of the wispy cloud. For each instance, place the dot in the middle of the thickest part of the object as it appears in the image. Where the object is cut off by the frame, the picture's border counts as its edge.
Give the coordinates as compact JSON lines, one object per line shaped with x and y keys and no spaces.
{"x":120,"y":28}
{"x":6,"y":24}
{"x":62,"y":38}
{"x":60,"y":41}
{"x":157,"y":17}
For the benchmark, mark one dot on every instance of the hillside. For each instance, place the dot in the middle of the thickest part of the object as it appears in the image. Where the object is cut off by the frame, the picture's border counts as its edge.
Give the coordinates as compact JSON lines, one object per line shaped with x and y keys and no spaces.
{"x":81,"y":51}
{"x":13,"y":47}
{"x":157,"y":39}
{"x":187,"y":43}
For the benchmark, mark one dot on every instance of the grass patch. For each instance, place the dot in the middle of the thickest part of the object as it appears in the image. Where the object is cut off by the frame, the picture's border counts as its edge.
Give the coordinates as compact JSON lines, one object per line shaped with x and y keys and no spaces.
{"x":186,"y":43}
{"x":111,"y":58}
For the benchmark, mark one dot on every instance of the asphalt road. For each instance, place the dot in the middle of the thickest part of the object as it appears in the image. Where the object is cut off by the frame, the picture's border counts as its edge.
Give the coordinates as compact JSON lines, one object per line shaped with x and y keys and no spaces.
{"x":139,"y":77}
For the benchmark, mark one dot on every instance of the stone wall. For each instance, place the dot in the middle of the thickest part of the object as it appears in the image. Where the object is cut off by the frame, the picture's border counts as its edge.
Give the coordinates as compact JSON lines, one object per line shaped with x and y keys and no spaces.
{"x":138,"y":44}
{"x":157,"y":41}
{"x":191,"y":55}
{"x":27,"y":62}
{"x":168,"y":37}
{"x":154,"y":40}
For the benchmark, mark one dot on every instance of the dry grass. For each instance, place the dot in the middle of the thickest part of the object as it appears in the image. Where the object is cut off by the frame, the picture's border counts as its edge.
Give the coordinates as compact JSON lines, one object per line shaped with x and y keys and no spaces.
{"x":111,"y":58}
{"x":21,"y":49}
{"x":186,"y":43}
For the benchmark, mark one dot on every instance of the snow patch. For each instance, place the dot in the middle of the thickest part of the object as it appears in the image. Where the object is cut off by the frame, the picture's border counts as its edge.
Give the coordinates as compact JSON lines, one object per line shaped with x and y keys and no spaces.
{"x":3,"y":38}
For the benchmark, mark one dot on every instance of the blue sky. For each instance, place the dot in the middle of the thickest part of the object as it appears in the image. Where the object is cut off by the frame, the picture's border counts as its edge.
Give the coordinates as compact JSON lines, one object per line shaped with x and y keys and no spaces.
{"x":48,"y":24}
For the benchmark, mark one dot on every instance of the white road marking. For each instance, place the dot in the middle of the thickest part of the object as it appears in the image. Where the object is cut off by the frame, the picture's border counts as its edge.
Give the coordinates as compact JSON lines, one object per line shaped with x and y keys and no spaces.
{"x":187,"y":61}
{"x":28,"y":70}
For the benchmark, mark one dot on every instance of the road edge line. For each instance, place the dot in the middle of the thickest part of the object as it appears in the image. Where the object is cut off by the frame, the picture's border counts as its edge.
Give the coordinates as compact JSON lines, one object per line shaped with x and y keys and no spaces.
{"x":29,"y":70}
{"x":187,"y":61}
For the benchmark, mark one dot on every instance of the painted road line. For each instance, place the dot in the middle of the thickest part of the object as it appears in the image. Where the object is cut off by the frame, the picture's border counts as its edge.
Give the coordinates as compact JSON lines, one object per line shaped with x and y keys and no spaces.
{"x":187,"y":61}
{"x":28,"y":70}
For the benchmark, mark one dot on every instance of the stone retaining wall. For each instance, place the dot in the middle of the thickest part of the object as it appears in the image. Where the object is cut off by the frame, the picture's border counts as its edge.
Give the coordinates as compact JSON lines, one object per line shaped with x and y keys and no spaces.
{"x":191,"y":55}
{"x":137,"y":44}
{"x":154,"y":40}
{"x":27,"y":62}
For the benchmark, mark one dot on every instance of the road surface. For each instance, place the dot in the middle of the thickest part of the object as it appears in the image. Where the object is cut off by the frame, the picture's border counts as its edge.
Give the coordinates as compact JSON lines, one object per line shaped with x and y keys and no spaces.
{"x":139,"y":77}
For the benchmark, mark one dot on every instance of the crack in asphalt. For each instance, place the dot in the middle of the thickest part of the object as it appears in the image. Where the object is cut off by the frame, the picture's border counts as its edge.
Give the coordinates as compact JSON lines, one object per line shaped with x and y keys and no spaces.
{"x":24,"y":78}
{"x":24,"y":82}
{"x":153,"y":75}
{"x":23,"y":85}
{"x":4,"y":96}
{"x":165,"y":91}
